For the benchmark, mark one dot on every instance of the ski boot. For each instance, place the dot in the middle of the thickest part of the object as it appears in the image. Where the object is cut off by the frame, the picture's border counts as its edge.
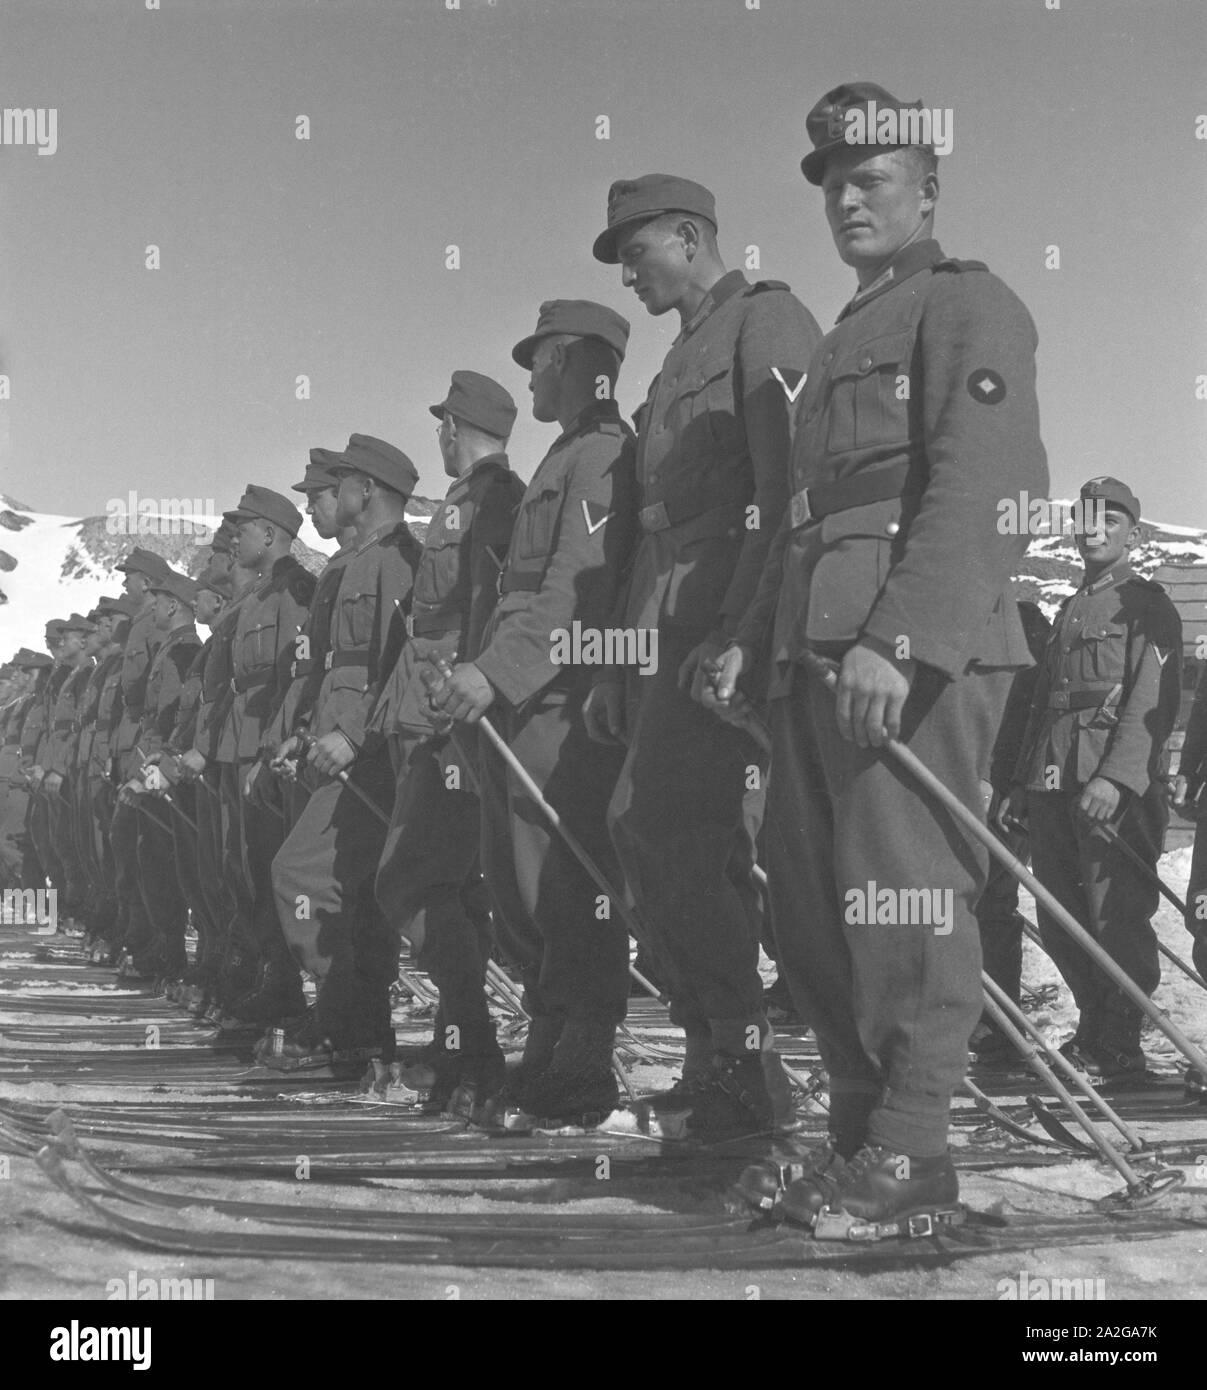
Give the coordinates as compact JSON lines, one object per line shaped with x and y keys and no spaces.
{"x":1108,"y":1066}
{"x":877,"y":1194}
{"x":578,"y":1088}
{"x":544,"y":1031}
{"x":732,"y":1098}
{"x":277,"y":995}
{"x":1195,"y":1084}
{"x":762,"y":1185}
{"x":991,"y":1050}
{"x":312,"y":1044}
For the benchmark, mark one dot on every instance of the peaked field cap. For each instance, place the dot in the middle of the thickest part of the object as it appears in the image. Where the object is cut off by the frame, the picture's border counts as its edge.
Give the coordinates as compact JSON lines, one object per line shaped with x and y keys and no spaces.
{"x":318,"y":473}
{"x":826,"y":125}
{"x":223,"y":538}
{"x":380,"y":461}
{"x":262,"y":504}
{"x":144,"y":562}
{"x":180,"y":586}
{"x":216,"y":582}
{"x":55,"y":626}
{"x":77,"y":623}
{"x":478,"y":400}
{"x":637,"y":200}
{"x":1111,"y":490}
{"x":580,"y":318}
{"x":27,"y":660}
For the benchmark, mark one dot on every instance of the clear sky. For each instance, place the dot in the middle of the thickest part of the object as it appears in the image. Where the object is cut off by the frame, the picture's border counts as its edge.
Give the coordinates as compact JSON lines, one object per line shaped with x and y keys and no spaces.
{"x":477,"y":127}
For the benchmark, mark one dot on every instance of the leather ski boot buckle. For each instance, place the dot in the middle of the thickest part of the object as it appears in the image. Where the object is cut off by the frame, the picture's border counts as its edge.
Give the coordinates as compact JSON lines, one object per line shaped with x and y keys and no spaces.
{"x":841,"y":1225}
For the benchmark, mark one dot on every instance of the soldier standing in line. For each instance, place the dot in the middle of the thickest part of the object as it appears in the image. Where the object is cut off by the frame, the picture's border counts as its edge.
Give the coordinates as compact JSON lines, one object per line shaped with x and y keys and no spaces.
{"x":162,"y":952}
{"x":33,"y":721}
{"x":1105,"y":704}
{"x":79,"y":754}
{"x":711,"y":468}
{"x":78,"y":645}
{"x":35,"y":744}
{"x":323,"y":874}
{"x":1188,"y":797}
{"x":429,"y":882}
{"x":279,"y":994}
{"x":17,"y":853}
{"x":140,"y":567}
{"x":270,"y":615}
{"x":918,"y":417}
{"x":572,"y":540}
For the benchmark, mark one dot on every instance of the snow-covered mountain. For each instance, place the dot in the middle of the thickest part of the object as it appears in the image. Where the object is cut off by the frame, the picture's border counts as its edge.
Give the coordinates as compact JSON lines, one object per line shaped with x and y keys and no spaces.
{"x":54,"y":565}
{"x":51,"y":566}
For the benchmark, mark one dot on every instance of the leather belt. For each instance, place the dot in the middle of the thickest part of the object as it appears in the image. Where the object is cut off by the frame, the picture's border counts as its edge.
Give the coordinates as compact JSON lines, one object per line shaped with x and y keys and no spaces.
{"x":528,"y":583}
{"x":442,"y":621}
{"x":658,"y":516}
{"x":1080,"y":699}
{"x":354,"y":656}
{"x":813,"y":503}
{"x":61,"y":724}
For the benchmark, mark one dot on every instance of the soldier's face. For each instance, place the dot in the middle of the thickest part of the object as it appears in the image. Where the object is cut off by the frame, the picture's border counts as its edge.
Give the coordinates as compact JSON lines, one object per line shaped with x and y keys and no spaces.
{"x":350,"y":499}
{"x":1101,"y":547}
{"x":545,"y":380}
{"x":135,"y":584}
{"x":72,"y":644}
{"x":654,"y":264}
{"x":874,"y":203}
{"x":221,"y":561}
{"x":251,"y":543}
{"x":321,"y":506}
{"x":165,"y":606}
{"x":209,"y":605}
{"x":448,"y":445}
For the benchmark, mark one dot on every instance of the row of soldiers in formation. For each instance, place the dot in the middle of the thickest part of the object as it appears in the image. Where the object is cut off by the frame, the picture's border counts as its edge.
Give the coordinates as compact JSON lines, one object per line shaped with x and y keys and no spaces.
{"x":784,"y":511}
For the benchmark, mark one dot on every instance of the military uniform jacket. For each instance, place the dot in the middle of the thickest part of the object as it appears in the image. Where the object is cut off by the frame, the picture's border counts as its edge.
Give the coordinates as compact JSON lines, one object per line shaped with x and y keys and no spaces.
{"x":108,"y":713}
{"x":34,"y":722}
{"x":141,"y":644}
{"x":104,"y":673}
{"x":10,"y":738}
{"x":165,"y":682}
{"x":1108,"y":689}
{"x":185,"y":728}
{"x":214,"y":736}
{"x":1193,"y":762}
{"x":269,"y":619}
{"x":1013,"y":728}
{"x":368,"y":630}
{"x":711,"y":459}
{"x":60,"y":743}
{"x":313,"y":643}
{"x":456,"y":586}
{"x":572,"y":540}
{"x":918,"y":417}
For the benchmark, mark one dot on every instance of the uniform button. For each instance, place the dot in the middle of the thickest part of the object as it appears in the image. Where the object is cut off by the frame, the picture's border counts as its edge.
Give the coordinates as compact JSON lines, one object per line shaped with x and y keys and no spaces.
{"x":892,"y":528}
{"x":864,"y":363}
{"x":829,"y":357}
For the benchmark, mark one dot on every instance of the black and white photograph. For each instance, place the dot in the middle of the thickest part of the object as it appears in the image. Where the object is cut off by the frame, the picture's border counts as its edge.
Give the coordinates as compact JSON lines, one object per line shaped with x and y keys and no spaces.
{"x":603,"y":625}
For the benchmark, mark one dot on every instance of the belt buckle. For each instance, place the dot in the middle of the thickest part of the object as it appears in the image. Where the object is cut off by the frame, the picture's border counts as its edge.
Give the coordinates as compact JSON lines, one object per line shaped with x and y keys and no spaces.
{"x":327,"y":661}
{"x":1060,"y":699}
{"x":921,"y":1225}
{"x":655,"y":517}
{"x":801,"y":512}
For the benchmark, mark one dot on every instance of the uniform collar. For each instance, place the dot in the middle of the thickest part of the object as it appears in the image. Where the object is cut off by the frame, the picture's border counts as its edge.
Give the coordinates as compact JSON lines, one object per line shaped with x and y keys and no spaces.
{"x":590,"y":414}
{"x":725,"y":288}
{"x":373,"y":537}
{"x":1118,"y":572}
{"x":918,"y":255}
{"x":461,"y":483}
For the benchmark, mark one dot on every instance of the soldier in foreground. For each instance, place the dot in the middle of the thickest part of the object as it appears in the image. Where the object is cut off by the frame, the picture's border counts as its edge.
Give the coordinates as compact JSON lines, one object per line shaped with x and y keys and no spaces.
{"x":1091,"y":766}
{"x":429,"y":882}
{"x":572,"y":539}
{"x":1188,"y":797}
{"x":713,"y":488}
{"x":919,"y":415}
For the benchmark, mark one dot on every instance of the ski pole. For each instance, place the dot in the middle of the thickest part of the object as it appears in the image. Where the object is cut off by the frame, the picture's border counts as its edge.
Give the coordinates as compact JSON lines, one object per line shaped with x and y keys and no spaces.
{"x":1054,"y":1056}
{"x":978,"y":830}
{"x":1146,"y":870}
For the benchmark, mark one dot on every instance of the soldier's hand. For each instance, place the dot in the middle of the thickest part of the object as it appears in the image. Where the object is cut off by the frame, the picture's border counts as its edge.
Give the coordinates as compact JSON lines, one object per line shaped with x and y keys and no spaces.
{"x":872,"y":690}
{"x":192,"y":765}
{"x":603,"y":712}
{"x":130,"y":791}
{"x":1011,"y":813}
{"x":465,"y":694}
{"x":285,"y":760}
{"x":169,"y":768}
{"x":36,"y":773}
{"x":715,"y":685}
{"x":1099,"y":800}
{"x":331,"y":754}
{"x":153,"y":778}
{"x":51,"y":783}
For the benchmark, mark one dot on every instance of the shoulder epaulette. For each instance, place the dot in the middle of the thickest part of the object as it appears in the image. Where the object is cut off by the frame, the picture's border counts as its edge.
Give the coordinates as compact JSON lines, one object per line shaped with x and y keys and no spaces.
{"x":958,"y":267}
